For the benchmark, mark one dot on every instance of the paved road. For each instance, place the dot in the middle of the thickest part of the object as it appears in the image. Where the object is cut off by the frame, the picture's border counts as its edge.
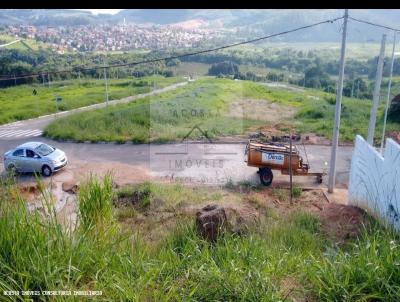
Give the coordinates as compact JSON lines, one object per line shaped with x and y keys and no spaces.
{"x":197,"y":163}
{"x":34,"y":127}
{"x":193,"y":163}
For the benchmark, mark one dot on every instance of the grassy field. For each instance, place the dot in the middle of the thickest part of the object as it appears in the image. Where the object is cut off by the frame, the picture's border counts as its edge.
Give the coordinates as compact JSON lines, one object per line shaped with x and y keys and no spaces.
{"x":210,"y":103}
{"x":284,"y":258}
{"x":19,"y":103}
{"x":29,"y":43}
{"x":360,"y":51}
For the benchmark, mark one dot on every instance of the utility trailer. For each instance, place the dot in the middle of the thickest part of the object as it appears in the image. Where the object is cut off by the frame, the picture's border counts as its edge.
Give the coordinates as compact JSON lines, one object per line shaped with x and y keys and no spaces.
{"x":270,"y":156}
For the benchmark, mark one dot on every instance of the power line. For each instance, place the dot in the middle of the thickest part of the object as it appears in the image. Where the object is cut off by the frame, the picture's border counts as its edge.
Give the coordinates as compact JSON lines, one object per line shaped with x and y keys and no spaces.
{"x":77,"y":68}
{"x":373,"y":24}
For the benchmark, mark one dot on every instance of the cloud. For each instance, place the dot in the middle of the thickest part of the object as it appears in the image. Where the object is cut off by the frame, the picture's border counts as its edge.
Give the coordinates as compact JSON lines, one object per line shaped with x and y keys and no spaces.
{"x":101,"y":11}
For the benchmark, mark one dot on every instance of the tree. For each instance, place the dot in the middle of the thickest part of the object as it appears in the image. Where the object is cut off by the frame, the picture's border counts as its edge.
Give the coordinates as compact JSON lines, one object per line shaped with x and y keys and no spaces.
{"x":394,"y":110}
{"x":172,"y":62}
{"x":225,"y":68}
{"x":315,"y":77}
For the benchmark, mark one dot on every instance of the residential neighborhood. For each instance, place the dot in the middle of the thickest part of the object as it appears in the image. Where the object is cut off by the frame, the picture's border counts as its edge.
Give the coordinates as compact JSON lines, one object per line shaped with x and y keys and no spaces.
{"x":113,"y":37}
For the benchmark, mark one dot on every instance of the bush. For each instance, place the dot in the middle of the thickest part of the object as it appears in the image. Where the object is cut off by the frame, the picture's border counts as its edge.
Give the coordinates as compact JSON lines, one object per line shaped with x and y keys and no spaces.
{"x":394,"y":110}
{"x":95,"y":201}
{"x":223,"y":68}
{"x":296,"y":191}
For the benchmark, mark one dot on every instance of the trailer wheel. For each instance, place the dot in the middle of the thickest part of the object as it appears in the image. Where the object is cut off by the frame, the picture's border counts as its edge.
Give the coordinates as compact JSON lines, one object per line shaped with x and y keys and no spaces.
{"x":266,"y":176}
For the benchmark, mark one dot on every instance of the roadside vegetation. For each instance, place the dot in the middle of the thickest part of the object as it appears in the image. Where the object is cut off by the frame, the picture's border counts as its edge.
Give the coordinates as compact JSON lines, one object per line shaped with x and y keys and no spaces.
{"x":20,"y":103}
{"x":220,"y":107}
{"x":284,"y":257}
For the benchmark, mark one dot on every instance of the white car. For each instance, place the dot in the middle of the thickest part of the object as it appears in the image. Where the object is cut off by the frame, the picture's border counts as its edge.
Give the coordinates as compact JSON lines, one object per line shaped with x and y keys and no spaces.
{"x":35,"y":157}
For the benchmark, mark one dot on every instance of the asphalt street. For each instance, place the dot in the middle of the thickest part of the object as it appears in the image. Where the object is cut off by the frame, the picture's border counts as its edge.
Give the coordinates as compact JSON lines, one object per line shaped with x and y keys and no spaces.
{"x":194,"y":163}
{"x":190,"y":162}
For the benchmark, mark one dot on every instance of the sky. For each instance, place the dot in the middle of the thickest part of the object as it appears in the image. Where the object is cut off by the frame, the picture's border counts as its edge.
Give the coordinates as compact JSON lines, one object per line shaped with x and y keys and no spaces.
{"x":102,"y":11}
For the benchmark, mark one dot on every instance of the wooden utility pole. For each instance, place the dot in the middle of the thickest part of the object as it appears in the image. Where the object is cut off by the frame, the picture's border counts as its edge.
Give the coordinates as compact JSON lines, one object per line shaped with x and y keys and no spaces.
{"x":377,"y":91}
{"x":339,"y":92}
{"x":290,"y":168}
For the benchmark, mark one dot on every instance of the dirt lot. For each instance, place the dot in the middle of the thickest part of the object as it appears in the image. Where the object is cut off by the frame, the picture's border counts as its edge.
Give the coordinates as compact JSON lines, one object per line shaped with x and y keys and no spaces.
{"x":261,"y":110}
{"x":245,"y":208}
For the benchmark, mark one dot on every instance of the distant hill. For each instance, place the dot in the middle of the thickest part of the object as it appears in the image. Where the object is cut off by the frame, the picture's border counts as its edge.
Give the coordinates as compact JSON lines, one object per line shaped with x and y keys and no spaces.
{"x":244,"y":23}
{"x":48,"y":17}
{"x":250,"y":23}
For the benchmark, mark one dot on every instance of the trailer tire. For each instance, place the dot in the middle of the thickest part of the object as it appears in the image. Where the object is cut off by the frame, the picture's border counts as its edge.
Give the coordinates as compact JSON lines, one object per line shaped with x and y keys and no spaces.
{"x":266,"y":176}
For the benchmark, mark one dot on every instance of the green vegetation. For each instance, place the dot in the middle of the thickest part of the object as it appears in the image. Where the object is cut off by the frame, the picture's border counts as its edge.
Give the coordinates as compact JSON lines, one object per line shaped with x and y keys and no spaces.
{"x":208,"y":103}
{"x":24,"y":44}
{"x":282,"y":258}
{"x":162,"y":118}
{"x":297,"y":191}
{"x":19,"y":103}
{"x":94,"y":201}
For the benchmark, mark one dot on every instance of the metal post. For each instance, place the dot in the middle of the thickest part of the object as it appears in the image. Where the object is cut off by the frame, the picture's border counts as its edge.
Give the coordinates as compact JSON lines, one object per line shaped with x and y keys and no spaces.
{"x":388,"y":93}
{"x":376,"y":96}
{"x":15,"y":80}
{"x":339,"y":92}
{"x":358,"y":87}
{"x":56,"y":104}
{"x":48,"y":79}
{"x":105,"y":81}
{"x":352,"y":89}
{"x":290,"y":168}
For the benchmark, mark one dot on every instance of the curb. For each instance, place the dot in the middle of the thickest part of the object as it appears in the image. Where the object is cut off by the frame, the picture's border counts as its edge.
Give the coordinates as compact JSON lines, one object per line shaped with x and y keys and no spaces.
{"x":238,"y":142}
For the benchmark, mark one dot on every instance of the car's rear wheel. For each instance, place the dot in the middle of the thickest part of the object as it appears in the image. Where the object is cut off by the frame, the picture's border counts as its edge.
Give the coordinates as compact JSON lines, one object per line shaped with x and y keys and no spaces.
{"x":46,"y":171}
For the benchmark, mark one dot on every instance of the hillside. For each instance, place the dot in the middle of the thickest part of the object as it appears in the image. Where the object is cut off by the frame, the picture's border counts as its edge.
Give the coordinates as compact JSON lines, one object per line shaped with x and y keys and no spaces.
{"x":249,"y":23}
{"x":48,"y":17}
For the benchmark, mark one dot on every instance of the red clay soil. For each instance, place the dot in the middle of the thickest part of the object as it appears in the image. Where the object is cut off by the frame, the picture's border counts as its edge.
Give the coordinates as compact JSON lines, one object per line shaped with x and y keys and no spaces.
{"x":395,"y":135}
{"x":29,"y":191}
{"x":342,"y":222}
{"x":339,"y":221}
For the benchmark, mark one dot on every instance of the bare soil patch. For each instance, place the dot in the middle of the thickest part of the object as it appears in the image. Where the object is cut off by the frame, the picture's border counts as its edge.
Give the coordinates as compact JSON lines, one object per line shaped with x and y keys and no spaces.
{"x":123,"y":173}
{"x":339,"y":221}
{"x":395,"y":135}
{"x":245,"y":207}
{"x":261,"y":110}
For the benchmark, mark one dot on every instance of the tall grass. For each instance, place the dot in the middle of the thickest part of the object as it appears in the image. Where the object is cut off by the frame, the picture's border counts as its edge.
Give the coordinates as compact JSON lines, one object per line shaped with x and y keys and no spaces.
{"x":38,"y":254}
{"x":207,"y":102}
{"x":95,"y":201}
{"x":369,"y":270}
{"x":18,"y":103}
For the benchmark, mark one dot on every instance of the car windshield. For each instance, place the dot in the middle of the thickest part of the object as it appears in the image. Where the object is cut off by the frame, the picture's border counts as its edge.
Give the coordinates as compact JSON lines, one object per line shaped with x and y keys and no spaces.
{"x":44,"y":150}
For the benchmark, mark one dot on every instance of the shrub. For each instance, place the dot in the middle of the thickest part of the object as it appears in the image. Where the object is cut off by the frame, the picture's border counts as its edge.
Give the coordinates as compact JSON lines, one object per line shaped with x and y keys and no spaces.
{"x":95,"y":201}
{"x":296,"y":191}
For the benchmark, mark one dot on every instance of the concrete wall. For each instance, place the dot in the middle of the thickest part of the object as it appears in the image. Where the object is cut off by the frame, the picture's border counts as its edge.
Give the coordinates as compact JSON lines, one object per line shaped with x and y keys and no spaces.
{"x":375,"y":180}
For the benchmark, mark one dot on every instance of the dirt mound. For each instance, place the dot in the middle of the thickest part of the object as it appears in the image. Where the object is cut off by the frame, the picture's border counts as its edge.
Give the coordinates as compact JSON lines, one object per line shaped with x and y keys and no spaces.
{"x":339,"y":221}
{"x":342,"y":222}
{"x":314,"y":139}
